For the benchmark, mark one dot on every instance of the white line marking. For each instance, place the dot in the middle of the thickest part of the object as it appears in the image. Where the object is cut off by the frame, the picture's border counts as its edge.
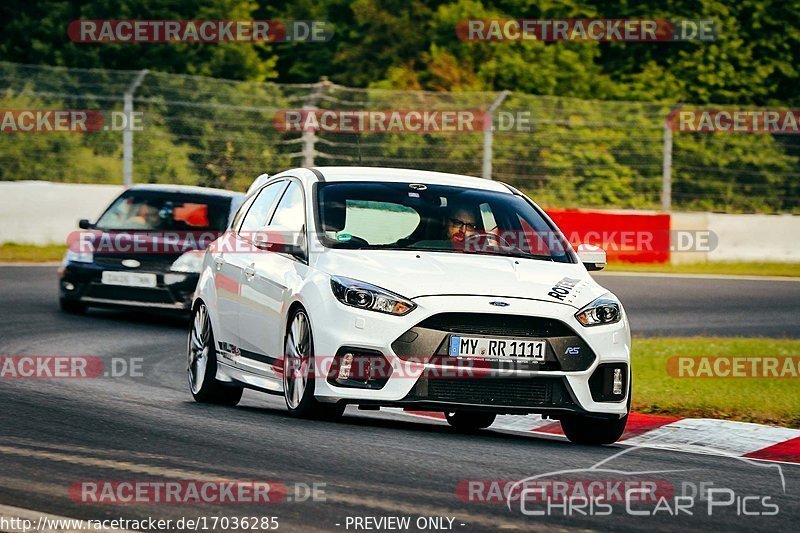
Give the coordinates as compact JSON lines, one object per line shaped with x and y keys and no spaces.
{"x":700,"y":436}
{"x":354,"y":500}
{"x":724,"y":436}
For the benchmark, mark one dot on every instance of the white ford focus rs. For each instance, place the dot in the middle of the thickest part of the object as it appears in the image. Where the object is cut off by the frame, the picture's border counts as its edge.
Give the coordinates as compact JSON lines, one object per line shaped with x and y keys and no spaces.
{"x":385,"y":287}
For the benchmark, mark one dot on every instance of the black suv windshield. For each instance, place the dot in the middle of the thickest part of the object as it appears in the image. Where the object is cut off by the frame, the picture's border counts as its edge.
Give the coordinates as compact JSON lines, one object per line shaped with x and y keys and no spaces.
{"x":156,"y":210}
{"x":404,"y":216}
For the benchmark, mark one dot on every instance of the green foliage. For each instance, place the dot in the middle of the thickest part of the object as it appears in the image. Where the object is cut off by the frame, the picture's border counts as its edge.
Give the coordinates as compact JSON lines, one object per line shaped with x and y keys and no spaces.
{"x":579,"y":153}
{"x":52,"y":156}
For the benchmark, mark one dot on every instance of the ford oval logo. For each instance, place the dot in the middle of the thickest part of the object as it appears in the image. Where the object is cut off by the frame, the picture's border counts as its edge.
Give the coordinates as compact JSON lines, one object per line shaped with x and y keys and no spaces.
{"x":500,"y":304}
{"x":131,"y":263}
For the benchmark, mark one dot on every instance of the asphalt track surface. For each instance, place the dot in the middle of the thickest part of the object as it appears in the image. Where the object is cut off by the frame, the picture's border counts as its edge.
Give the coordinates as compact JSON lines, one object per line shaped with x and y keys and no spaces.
{"x":54,"y":433}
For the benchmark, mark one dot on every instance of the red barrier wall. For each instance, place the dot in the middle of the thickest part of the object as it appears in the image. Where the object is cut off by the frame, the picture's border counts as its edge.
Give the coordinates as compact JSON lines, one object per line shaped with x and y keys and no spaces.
{"x":626,"y":237}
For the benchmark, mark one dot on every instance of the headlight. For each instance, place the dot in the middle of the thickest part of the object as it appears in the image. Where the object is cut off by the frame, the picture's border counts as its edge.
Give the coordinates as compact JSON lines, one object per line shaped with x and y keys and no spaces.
{"x":78,"y":257}
{"x":366,"y":296}
{"x":604,"y":310}
{"x":191,"y":262}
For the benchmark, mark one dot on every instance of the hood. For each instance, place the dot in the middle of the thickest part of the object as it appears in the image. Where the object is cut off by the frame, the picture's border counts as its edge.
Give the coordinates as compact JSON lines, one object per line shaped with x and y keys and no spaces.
{"x":417,"y":273}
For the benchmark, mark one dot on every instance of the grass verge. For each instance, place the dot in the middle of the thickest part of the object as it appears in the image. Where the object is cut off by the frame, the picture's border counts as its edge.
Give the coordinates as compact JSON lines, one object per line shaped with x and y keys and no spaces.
{"x":14,"y":252}
{"x":22,"y":253}
{"x":741,"y":269}
{"x":762,"y":400}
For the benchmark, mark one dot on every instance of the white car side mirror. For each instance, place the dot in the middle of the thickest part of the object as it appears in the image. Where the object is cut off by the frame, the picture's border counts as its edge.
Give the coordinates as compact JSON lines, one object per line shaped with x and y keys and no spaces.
{"x":593,"y":257}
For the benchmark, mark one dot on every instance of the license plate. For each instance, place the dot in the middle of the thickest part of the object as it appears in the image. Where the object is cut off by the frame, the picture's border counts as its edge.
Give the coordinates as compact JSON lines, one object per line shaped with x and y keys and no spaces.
{"x":463,"y":346}
{"x":129,"y":279}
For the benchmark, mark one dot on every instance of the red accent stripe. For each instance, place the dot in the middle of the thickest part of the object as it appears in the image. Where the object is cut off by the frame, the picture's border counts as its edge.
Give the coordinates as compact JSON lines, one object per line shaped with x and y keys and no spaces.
{"x":429,"y":414}
{"x":787,"y":451}
{"x":639,"y":423}
{"x":550,"y":429}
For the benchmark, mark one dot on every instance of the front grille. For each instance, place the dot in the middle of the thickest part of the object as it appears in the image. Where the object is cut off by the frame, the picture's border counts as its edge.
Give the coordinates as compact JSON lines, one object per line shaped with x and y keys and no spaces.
{"x":501,"y":392}
{"x":115,"y":292}
{"x":494,"y":324}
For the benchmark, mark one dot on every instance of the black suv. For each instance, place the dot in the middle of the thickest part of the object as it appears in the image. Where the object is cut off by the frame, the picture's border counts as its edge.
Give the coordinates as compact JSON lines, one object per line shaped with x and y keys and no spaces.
{"x":145,"y":250}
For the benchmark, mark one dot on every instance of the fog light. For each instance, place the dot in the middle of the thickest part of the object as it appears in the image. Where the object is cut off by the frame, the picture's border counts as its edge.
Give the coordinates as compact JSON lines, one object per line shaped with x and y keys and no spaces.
{"x":171,"y":279}
{"x":617,"y":389}
{"x":69,"y":286}
{"x":344,"y":367}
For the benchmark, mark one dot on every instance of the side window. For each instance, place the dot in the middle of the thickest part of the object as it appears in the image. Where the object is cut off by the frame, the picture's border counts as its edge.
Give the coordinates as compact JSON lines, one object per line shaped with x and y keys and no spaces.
{"x":291,"y":210}
{"x":256,"y":217}
{"x":242,"y":211}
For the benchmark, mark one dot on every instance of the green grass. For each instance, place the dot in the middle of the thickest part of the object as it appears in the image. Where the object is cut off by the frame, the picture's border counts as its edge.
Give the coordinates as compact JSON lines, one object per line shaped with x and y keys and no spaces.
{"x":742,"y":269}
{"x":763,"y":400}
{"x":21,"y":253}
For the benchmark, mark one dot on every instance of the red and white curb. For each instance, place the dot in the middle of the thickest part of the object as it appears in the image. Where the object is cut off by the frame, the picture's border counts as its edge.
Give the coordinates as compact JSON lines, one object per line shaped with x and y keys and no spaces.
{"x":696,"y":435}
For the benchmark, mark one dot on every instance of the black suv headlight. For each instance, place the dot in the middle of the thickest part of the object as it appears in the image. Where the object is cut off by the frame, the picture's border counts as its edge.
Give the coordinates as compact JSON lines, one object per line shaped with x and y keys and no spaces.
{"x":367,"y":296}
{"x":604,"y":310}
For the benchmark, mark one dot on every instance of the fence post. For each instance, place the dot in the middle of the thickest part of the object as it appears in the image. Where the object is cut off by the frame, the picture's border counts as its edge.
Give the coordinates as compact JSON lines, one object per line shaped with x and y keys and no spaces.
{"x":488,"y":127}
{"x":309,"y":138}
{"x":127,"y":133}
{"x":666,"y":169}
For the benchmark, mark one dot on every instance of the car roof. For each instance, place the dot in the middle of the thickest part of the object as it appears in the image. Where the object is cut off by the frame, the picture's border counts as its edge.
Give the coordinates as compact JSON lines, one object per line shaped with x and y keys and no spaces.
{"x":407,"y":175}
{"x":185,"y":189}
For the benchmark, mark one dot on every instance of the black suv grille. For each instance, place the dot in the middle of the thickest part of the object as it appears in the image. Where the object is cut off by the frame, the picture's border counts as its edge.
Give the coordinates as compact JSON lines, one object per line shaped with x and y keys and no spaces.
{"x":136,"y":294}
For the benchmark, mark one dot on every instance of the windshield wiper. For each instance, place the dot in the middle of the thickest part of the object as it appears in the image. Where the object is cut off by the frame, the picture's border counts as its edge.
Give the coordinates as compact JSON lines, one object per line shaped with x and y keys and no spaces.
{"x":513,"y":253}
{"x":510,"y":253}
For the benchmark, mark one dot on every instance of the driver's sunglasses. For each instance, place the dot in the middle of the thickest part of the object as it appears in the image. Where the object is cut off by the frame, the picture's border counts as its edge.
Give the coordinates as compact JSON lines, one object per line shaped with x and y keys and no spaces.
{"x":456,"y":223}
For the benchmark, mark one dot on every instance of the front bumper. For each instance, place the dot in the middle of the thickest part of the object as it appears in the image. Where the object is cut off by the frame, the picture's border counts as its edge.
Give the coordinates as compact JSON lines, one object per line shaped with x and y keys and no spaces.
{"x":82,"y":282}
{"x":423,"y":377}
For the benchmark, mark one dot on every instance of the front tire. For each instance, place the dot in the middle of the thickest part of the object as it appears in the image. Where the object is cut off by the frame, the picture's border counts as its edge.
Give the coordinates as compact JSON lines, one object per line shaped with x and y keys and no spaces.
{"x":593,"y":431}
{"x":202,"y":369}
{"x":298,"y":372}
{"x":470,"y":421}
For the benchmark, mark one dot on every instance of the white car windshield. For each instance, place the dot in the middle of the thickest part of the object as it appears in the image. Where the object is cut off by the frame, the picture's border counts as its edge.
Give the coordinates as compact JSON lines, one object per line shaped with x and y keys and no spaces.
{"x":406,"y":216}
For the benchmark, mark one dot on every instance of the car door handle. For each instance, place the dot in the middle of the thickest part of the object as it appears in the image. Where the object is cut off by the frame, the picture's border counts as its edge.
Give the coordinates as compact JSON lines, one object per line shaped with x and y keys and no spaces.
{"x":250,"y":272}
{"x":218,"y":262}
